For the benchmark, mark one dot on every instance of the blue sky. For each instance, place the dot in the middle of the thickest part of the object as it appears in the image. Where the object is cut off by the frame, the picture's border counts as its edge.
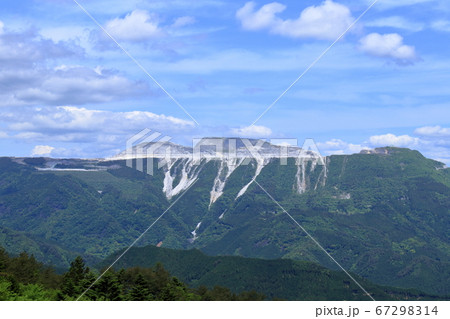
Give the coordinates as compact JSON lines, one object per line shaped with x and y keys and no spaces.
{"x":67,"y":90}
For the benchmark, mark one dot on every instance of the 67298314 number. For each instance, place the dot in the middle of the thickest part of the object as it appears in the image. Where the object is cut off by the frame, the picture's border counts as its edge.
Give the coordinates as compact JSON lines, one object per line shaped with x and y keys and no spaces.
{"x":406,"y":310}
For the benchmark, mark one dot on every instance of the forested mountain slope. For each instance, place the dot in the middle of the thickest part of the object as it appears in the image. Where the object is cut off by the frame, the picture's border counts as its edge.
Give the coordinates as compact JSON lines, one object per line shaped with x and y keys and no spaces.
{"x":280,"y":278}
{"x":385,"y":215}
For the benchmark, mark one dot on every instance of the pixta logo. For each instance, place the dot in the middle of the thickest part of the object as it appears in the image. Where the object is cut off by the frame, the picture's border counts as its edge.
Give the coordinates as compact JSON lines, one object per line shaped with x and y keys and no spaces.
{"x":146,"y":146}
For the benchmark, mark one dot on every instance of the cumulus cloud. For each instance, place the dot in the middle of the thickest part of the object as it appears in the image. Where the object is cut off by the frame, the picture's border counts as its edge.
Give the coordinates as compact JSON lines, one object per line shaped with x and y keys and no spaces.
{"x":70,"y":119}
{"x":103,"y":132}
{"x":42,"y":150}
{"x":24,"y":49}
{"x":338,"y":146}
{"x":432,"y":141}
{"x":265,"y":17}
{"x":326,"y":21}
{"x":394,"y":140}
{"x":28,"y":75}
{"x":136,"y":26}
{"x":75,"y":85}
{"x":388,"y":46}
{"x":255,"y":131}
{"x":432,"y":131}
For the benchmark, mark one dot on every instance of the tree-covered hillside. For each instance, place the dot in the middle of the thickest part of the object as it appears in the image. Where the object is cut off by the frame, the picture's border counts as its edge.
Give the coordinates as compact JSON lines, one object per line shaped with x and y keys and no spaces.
{"x":199,"y":278}
{"x":280,"y":278}
{"x":22,"y":278}
{"x":384,"y":216}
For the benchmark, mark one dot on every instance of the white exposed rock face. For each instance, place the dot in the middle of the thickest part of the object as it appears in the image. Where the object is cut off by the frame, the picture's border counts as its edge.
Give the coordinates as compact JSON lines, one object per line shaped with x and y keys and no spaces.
{"x":194,"y":233}
{"x":181,"y":166}
{"x":223,"y":214}
{"x":300,"y":177}
{"x":227,"y":167}
{"x":345,"y":196}
{"x":302,"y":174}
{"x":189,"y":171}
{"x":260,"y":163}
{"x":185,"y":171}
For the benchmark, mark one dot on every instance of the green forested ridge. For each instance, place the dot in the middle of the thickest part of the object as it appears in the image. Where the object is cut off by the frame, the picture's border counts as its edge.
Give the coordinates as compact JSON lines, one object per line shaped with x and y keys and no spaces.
{"x":22,"y":278}
{"x":280,"y":278}
{"x":384,"y":216}
{"x":202,"y":278}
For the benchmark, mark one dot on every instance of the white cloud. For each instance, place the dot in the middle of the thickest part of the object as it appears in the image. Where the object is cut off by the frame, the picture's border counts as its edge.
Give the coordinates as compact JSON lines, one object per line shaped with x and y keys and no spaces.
{"x":396,"y":22}
{"x":393,"y":140}
{"x":34,"y":71}
{"x":1,"y":27}
{"x":42,"y":150}
{"x":388,"y":46}
{"x":75,"y":85}
{"x":326,"y":21}
{"x":27,"y":47}
{"x":183,"y":21}
{"x":136,"y":26}
{"x":441,"y":25}
{"x":77,"y":122}
{"x":252,"y":131}
{"x":432,"y":131}
{"x":337,"y":146}
{"x":263,"y":18}
{"x":432,"y":141}
{"x":85,"y":132}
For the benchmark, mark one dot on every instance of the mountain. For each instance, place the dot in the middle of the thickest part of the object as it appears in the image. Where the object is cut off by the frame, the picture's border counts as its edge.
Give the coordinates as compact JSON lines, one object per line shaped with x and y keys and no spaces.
{"x":210,"y":147}
{"x":280,"y":278}
{"x":383,"y":214}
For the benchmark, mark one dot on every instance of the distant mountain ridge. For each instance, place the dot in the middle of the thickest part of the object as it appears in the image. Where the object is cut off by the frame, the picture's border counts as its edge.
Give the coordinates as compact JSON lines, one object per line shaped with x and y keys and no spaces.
{"x":210,"y":147}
